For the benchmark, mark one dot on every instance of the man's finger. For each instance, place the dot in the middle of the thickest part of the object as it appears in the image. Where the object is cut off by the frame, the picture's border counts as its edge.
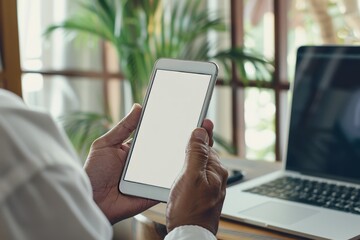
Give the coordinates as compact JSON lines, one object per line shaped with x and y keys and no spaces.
{"x":209,"y":126}
{"x":215,"y":164}
{"x":122,"y":131}
{"x":197,"y":151}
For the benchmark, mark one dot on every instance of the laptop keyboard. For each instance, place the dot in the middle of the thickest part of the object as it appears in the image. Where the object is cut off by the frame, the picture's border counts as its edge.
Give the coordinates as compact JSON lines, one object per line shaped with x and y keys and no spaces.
{"x":311,"y":192}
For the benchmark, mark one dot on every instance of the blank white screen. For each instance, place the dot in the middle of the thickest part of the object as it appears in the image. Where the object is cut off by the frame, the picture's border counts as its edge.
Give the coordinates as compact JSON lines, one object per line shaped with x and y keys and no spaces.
{"x":171,"y":114}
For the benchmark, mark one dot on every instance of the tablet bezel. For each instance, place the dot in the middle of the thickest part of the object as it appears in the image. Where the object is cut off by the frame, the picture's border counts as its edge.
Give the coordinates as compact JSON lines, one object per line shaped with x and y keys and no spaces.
{"x":197,"y":67}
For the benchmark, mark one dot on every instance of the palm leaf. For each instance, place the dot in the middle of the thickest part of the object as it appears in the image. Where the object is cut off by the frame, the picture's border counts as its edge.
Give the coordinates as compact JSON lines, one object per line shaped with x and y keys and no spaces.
{"x":143,"y":31}
{"x":81,"y":24}
{"x":83,"y":128}
{"x":240,"y":56}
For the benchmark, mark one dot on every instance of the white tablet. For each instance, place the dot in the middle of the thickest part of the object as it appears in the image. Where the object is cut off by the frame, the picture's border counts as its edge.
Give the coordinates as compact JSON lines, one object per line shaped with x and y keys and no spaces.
{"x":176,"y":103}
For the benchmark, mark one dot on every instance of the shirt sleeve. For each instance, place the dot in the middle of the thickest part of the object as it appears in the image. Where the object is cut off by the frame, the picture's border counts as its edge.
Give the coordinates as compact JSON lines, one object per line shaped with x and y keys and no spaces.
{"x":44,"y":192}
{"x":190,"y":232}
{"x":53,"y":204}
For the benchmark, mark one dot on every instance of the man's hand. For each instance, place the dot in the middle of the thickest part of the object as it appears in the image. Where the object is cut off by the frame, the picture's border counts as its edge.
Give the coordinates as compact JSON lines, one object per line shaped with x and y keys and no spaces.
{"x":104,"y":166}
{"x":198,"y":194}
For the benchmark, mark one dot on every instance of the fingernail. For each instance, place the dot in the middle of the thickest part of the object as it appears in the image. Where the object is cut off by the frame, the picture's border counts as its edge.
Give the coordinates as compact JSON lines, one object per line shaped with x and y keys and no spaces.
{"x":201,"y":134}
{"x":134,"y":106}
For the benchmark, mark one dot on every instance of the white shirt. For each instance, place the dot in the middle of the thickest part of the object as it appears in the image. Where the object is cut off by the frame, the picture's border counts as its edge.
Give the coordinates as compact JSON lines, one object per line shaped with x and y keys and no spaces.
{"x":190,"y":232}
{"x":44,"y":192}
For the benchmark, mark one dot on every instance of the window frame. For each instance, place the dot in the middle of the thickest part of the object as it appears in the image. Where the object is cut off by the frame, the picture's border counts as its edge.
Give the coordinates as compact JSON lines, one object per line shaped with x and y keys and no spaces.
{"x":280,"y":83}
{"x":11,"y":76}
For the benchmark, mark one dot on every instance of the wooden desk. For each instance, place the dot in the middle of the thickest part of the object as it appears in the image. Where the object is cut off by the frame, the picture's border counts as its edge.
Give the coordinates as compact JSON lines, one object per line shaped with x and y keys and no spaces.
{"x":151,"y":223}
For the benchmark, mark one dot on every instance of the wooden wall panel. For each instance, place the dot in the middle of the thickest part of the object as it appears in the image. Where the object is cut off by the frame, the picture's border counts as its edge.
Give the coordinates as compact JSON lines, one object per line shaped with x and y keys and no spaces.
{"x":9,"y":47}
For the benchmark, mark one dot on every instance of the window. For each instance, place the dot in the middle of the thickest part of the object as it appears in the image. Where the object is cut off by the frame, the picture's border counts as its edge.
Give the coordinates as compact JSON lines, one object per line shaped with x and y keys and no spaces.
{"x":64,"y":73}
{"x":61,"y":72}
{"x":258,"y":112}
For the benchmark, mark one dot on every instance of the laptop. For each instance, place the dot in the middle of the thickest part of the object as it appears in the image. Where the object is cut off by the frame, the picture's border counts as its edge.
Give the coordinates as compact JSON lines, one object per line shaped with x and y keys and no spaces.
{"x":316,"y":194}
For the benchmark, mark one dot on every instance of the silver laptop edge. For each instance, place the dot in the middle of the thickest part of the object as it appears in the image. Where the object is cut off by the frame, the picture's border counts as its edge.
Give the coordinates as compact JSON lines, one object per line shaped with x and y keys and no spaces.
{"x":290,"y":217}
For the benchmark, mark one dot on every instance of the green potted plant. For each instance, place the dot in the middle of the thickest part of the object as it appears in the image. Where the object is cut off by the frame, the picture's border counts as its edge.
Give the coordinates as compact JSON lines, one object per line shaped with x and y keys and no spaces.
{"x":141,"y":32}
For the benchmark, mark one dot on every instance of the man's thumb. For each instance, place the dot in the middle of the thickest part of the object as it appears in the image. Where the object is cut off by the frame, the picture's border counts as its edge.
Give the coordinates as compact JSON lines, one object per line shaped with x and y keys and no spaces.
{"x":197,"y":151}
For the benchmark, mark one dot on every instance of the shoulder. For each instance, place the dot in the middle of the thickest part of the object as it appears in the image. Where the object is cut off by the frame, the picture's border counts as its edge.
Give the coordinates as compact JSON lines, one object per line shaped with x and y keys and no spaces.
{"x":9,"y":99}
{"x":30,"y":142}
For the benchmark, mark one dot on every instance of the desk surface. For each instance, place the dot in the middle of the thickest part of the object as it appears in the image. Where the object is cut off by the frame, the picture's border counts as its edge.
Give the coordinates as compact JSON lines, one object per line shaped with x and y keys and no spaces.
{"x":227,"y":229}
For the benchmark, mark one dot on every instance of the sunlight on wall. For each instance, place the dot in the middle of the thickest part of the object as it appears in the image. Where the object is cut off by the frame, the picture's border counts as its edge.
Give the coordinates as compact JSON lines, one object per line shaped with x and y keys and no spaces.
{"x":32,"y":82}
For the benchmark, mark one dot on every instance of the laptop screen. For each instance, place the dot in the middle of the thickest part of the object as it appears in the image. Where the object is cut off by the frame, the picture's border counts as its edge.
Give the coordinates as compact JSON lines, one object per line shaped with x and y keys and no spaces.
{"x":324,"y":134}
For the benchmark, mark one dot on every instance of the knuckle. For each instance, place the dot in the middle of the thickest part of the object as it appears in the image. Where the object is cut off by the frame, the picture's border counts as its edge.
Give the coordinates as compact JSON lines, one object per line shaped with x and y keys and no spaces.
{"x":97,"y":142}
{"x":223,"y":194}
{"x":126,"y":124}
{"x":224,"y":172}
{"x":198,"y":149}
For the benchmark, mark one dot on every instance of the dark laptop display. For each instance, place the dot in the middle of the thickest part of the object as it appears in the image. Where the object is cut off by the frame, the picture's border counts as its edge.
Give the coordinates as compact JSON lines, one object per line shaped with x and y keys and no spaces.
{"x":307,"y":197}
{"x":324,"y":137}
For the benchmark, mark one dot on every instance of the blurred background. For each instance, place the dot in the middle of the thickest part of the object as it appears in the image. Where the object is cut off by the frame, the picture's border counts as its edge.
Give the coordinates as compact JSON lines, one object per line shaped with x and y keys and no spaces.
{"x":71,"y":71}
{"x":86,"y":78}
{"x":86,"y":62}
